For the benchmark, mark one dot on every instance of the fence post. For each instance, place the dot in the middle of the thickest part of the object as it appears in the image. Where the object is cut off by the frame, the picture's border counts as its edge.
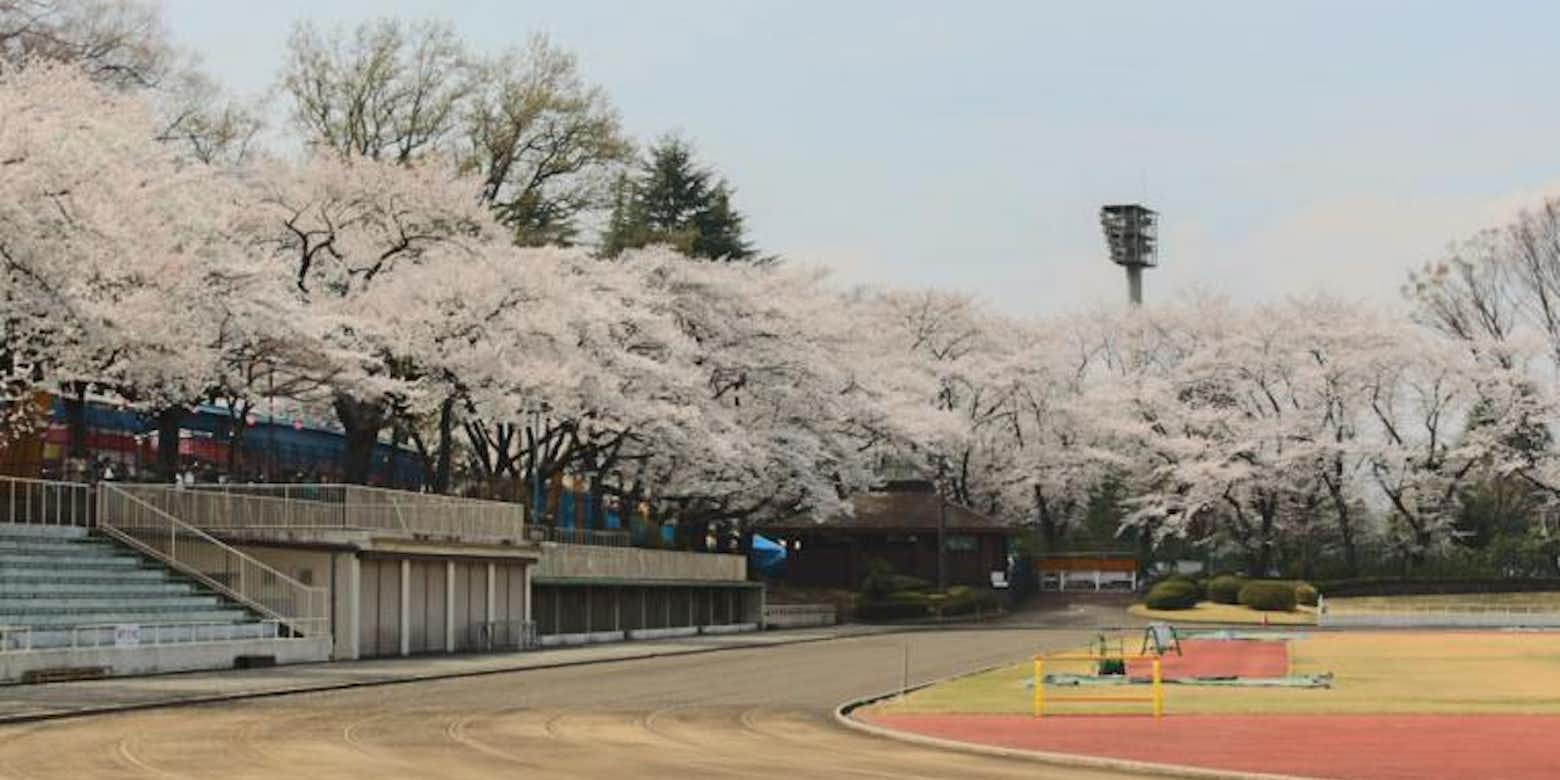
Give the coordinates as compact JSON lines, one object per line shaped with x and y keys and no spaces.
{"x":1039,"y":686}
{"x":1159,"y":692}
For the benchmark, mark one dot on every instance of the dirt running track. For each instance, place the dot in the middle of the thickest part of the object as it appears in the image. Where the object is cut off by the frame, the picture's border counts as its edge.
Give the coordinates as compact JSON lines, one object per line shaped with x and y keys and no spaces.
{"x":743,"y":713}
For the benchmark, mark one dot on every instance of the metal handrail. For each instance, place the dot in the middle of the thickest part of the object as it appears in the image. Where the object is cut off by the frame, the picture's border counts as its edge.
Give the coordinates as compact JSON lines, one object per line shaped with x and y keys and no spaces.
{"x":223,"y":568}
{"x":355,"y":507}
{"x":45,"y":502}
{"x":148,"y":634}
{"x":591,"y":536}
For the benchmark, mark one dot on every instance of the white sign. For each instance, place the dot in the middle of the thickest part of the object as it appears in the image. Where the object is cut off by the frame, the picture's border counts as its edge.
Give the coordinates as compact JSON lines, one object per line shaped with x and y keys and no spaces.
{"x":127,"y":635}
{"x":999,"y":579}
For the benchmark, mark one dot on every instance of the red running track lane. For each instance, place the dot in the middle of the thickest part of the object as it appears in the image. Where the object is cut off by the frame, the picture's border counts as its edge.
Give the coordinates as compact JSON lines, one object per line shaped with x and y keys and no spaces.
{"x":1349,"y":747}
{"x":1219,"y":658}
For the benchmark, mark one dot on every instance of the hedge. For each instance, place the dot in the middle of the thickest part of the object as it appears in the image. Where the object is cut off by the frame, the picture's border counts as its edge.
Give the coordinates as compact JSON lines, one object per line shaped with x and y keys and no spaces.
{"x":1268,"y":596}
{"x":1172,"y":594}
{"x":895,"y":606}
{"x":903,"y":605}
{"x":1225,"y":589}
{"x":1178,"y":577}
{"x":1306,"y":594}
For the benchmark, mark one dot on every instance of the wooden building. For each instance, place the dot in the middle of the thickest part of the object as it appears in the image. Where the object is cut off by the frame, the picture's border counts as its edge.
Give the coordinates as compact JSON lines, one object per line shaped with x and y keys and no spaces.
{"x":898,"y":525}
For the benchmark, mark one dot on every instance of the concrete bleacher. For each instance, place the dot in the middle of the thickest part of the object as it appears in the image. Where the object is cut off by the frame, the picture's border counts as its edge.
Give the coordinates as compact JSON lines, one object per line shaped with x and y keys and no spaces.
{"x":61,"y":588}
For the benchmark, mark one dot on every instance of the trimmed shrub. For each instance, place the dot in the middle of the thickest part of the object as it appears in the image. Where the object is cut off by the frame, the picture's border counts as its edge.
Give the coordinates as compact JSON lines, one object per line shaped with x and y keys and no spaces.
{"x":1172,"y":594}
{"x":963,"y":600}
{"x":1225,"y":589}
{"x":910,"y":604}
{"x":899,"y":605}
{"x":1306,"y":593}
{"x":881,"y":580}
{"x":1268,"y":596}
{"x":1186,"y":578}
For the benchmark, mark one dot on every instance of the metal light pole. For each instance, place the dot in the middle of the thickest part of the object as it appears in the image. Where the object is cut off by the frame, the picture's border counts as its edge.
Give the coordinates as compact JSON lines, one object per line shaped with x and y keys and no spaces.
{"x":1132,"y":236}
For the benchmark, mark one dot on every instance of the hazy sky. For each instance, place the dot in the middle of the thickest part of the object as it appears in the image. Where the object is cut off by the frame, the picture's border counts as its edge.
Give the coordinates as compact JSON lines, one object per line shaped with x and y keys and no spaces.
{"x":968,"y":145}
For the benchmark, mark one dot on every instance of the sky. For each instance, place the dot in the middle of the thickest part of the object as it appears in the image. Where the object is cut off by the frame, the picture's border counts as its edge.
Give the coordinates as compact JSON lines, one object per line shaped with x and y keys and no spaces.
{"x":1290,"y":148}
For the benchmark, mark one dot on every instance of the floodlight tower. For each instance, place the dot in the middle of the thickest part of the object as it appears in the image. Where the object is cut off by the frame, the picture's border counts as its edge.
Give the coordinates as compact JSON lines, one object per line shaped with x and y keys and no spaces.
{"x":1132,"y":235}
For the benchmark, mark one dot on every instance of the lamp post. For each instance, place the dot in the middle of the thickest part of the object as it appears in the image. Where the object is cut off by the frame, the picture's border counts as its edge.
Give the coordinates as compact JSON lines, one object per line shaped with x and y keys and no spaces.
{"x":1132,"y":236}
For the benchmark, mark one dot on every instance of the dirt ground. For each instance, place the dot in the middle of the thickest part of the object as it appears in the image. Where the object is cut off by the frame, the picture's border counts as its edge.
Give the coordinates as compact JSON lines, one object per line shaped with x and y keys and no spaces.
{"x":741,"y":713}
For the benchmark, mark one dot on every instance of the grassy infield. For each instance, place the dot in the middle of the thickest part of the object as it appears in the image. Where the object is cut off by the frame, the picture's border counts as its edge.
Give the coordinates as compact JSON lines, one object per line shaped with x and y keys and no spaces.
{"x":1374,"y":673}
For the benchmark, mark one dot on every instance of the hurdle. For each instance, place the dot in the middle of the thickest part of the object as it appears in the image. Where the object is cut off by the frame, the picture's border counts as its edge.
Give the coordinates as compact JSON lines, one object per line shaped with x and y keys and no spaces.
{"x":1155,"y":698}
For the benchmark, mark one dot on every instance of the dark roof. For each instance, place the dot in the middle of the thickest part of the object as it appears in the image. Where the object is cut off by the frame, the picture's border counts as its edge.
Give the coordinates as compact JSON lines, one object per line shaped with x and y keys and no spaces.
{"x":895,"y":510}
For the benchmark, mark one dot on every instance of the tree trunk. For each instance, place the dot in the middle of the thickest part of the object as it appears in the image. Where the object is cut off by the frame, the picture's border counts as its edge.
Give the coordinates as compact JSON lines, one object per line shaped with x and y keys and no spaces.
{"x":76,"y":420}
{"x":1047,"y":522}
{"x":446,"y":446}
{"x":1351,"y":558}
{"x":361,"y":423}
{"x":168,"y":423}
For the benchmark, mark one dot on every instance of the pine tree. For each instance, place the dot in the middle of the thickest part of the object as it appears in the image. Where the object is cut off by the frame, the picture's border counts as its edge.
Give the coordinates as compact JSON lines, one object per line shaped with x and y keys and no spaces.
{"x":673,"y":200}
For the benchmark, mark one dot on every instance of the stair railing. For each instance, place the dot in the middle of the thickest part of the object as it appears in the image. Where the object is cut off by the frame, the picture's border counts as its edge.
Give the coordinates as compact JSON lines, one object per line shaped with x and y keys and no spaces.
{"x":44,"y":502}
{"x":302,"y":609}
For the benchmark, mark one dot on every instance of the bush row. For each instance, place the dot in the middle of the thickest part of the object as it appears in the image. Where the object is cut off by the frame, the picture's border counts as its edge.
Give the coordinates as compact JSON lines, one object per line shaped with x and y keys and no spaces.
{"x":1173,"y":594}
{"x":1268,"y":595}
{"x":1179,"y":591}
{"x":909,"y":604}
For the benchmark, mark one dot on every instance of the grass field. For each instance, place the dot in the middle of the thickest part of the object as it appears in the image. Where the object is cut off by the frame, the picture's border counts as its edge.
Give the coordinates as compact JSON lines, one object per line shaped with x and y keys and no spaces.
{"x":1209,"y":612}
{"x":1375,"y":673}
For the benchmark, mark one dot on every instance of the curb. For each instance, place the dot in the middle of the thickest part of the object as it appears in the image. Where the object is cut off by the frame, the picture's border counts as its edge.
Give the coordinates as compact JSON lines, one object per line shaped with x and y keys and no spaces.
{"x":843,"y":717}
{"x":190,"y":701}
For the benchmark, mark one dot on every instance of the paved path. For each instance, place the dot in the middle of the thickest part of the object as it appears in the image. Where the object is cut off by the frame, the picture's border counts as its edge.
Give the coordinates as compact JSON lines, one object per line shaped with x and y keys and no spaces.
{"x":30,"y":702}
{"x":748,"y":712}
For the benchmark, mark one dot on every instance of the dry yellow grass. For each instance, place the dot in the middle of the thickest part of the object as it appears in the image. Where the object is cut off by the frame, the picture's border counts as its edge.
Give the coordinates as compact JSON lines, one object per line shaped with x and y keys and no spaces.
{"x":1209,"y":612}
{"x":1374,"y":673}
{"x":1459,"y":600}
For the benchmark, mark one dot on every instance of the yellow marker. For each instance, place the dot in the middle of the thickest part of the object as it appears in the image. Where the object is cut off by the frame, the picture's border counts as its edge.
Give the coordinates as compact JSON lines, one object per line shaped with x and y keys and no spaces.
{"x":1159,"y":692}
{"x":1039,"y":687}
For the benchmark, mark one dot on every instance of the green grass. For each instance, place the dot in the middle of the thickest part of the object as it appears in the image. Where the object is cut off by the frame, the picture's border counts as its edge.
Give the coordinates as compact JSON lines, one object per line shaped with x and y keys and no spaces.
{"x":1375,"y":673}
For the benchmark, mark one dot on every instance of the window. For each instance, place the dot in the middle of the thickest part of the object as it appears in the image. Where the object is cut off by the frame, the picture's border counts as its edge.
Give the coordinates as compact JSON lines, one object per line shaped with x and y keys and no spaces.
{"x":962,"y":543}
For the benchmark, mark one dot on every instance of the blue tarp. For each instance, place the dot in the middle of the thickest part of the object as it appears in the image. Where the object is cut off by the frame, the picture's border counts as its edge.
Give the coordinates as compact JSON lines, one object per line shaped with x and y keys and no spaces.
{"x":767,"y":557}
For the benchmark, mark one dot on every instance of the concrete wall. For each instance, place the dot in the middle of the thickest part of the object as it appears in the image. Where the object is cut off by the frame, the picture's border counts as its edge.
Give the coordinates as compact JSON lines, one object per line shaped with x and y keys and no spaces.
{"x":154,"y":659}
{"x":310,"y":567}
{"x":386,"y":605}
{"x":579,"y":609}
{"x":633,"y":563}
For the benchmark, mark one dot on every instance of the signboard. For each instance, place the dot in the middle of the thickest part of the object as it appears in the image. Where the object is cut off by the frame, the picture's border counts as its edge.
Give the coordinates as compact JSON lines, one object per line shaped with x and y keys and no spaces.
{"x":999,"y":580}
{"x":127,"y":635}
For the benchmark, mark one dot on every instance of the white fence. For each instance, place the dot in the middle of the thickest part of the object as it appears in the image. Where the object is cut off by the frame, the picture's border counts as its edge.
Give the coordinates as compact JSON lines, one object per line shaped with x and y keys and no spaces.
{"x":190,"y":550}
{"x":1444,"y":616}
{"x":799,"y":615}
{"x":345,"y":507}
{"x":19,"y":639}
{"x":41,"y":502}
{"x":571,"y":561}
{"x":600,"y":538}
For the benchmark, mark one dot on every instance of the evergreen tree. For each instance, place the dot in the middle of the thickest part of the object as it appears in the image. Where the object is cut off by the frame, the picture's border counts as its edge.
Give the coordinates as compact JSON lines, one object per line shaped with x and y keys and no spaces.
{"x":673,"y":200}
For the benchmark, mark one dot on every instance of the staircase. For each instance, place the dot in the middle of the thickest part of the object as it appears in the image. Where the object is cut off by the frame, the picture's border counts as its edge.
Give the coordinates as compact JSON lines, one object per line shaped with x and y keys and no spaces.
{"x":61,"y":588}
